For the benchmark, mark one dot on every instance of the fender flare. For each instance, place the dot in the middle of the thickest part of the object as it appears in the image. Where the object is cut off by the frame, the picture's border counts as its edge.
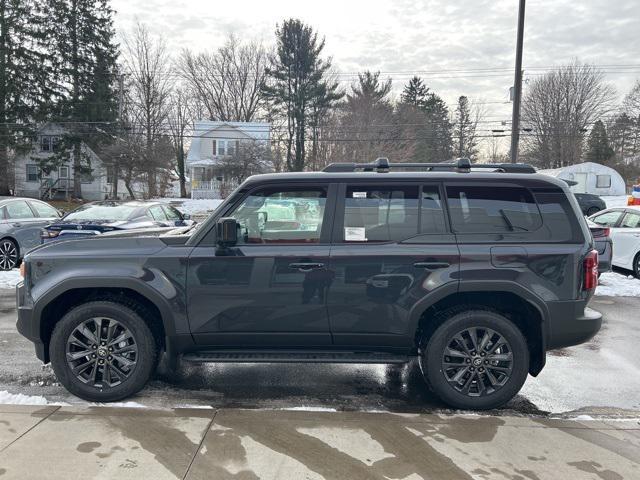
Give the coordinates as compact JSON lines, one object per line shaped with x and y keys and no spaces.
{"x":128,"y":283}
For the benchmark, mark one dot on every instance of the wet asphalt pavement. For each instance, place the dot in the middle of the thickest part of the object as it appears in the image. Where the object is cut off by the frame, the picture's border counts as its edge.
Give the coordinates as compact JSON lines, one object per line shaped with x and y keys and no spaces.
{"x":601,"y":377}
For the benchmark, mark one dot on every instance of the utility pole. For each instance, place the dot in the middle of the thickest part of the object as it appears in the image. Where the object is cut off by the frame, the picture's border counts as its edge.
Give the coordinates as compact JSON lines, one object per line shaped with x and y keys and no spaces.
{"x":517,"y":87}
{"x":116,"y":163}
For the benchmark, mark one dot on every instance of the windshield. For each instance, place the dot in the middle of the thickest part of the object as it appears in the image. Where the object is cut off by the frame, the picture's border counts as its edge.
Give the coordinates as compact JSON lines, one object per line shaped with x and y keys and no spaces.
{"x":102,"y":212}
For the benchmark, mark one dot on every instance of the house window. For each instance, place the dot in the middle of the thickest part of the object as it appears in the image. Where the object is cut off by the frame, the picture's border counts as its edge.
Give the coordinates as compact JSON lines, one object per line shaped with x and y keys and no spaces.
{"x":603,"y":181}
{"x":32,"y":172}
{"x":111,"y":175}
{"x":48,"y":143}
{"x":225,"y":147}
{"x":215,"y":147}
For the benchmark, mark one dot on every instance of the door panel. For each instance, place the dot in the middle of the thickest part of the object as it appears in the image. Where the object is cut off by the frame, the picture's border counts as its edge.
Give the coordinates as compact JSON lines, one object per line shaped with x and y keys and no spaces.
{"x":23,"y":225}
{"x":626,"y":240}
{"x":391,"y":248}
{"x":269,"y":289}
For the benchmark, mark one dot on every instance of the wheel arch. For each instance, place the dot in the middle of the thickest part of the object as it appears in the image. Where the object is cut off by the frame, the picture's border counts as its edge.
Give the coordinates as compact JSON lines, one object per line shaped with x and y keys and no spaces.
{"x":52,"y":306}
{"x":527,"y":313}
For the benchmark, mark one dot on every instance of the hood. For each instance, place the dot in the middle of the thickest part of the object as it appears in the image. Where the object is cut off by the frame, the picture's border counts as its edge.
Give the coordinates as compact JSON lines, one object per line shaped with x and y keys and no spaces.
{"x":99,"y":246}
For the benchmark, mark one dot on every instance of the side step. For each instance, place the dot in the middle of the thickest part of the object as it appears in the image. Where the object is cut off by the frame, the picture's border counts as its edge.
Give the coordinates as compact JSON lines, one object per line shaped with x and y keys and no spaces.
{"x":284,"y":356}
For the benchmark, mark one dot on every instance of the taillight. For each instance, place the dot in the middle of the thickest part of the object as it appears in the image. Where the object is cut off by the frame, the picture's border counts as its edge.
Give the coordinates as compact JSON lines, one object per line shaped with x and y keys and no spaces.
{"x":590,"y":265}
{"x":600,"y":232}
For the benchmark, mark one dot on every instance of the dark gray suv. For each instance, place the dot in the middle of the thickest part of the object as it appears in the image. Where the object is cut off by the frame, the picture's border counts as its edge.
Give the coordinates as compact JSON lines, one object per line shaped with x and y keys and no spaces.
{"x":476,"y":270}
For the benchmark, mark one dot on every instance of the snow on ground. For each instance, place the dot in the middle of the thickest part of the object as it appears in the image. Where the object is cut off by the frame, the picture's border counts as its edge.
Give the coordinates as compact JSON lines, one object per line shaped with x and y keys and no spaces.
{"x":7,"y":398}
{"x":617,"y":285}
{"x":617,"y":201}
{"x":9,"y":278}
{"x":193,"y":207}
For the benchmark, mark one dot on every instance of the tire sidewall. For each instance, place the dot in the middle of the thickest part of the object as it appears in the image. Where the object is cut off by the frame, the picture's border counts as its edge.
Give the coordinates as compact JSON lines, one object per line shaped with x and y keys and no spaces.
{"x":143,"y":337}
{"x":17,"y":247}
{"x":431,"y":359}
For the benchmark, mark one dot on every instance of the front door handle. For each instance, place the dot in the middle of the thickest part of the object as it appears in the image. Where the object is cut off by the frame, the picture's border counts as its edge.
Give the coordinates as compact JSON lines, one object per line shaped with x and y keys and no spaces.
{"x":306,"y":266}
{"x":17,"y":224}
{"x":431,"y":265}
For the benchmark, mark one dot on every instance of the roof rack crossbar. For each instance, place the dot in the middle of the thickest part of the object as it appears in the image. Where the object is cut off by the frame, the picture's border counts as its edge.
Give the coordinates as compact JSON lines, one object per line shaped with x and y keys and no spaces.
{"x":463,"y":165}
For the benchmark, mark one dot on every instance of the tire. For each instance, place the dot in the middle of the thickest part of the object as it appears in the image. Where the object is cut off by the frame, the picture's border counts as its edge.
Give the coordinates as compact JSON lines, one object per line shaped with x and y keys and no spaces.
{"x":508,"y":365}
{"x":125,"y":369}
{"x":636,"y":265}
{"x":592,"y":211}
{"x":9,"y":254}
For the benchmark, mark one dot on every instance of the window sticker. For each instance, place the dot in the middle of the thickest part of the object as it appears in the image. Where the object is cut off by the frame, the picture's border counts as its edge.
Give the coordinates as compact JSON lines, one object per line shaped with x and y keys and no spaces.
{"x":359,"y":195}
{"x":355,"y":234}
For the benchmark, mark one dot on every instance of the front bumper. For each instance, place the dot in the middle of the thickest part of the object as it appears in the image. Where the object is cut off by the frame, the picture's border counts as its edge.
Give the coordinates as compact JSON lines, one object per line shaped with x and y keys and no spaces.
{"x":27,"y":325}
{"x":571,"y":323}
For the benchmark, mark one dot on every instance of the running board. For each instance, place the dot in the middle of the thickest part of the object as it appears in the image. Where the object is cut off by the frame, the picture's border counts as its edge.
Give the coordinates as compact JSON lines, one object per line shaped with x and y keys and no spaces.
{"x":234,"y":356}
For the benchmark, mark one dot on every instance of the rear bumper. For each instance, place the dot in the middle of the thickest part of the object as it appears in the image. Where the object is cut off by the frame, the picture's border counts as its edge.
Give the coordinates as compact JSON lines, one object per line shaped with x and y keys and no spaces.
{"x":27,"y":325}
{"x":571,"y":323}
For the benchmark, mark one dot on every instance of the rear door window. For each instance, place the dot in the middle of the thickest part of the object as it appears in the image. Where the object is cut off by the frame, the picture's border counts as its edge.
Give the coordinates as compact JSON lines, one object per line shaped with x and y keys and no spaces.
{"x":380,"y":214}
{"x":157,"y":213}
{"x":607,"y":219}
{"x":19,"y":210}
{"x":432,"y":211}
{"x":492,"y":209}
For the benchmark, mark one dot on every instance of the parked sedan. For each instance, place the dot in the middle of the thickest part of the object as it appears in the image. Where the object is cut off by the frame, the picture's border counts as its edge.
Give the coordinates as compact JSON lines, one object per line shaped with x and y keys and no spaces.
{"x":590,"y":204}
{"x":21,"y":220}
{"x":107,"y":216}
{"x":624,"y":225}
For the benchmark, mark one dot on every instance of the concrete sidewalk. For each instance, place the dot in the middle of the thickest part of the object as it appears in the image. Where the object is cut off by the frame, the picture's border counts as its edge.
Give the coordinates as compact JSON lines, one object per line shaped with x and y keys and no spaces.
{"x":69,"y":443}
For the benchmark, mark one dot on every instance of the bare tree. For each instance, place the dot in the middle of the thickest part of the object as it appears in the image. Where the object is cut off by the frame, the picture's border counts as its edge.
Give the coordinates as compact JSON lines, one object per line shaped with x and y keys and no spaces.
{"x":558,"y":108}
{"x":179,"y":121}
{"x":227,"y":83}
{"x":250,"y":157}
{"x":149,"y":88}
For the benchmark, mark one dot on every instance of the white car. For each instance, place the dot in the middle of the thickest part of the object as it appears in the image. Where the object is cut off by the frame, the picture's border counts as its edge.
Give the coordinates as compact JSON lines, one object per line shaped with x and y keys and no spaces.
{"x":624,"y":223}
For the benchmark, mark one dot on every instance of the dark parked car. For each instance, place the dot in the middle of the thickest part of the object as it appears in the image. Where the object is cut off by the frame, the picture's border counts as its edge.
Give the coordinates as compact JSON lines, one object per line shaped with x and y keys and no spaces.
{"x":590,"y":204}
{"x":603,"y":244}
{"x":21,"y":220}
{"x":471,"y":270}
{"x":108,"y":216}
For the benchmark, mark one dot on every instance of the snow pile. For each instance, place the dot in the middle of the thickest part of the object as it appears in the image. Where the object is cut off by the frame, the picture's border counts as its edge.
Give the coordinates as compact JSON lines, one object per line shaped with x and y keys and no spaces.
{"x":10,"y":278}
{"x":615,"y":285}
{"x":193,"y":207}
{"x":7,"y":398}
{"x":617,"y":201}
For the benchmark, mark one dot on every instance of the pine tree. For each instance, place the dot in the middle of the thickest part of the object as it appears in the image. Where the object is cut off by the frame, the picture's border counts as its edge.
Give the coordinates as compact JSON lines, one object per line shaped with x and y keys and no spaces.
{"x":22,"y":71}
{"x":84,"y":53}
{"x":297,"y":82}
{"x":415,"y":93}
{"x":598,"y":148}
{"x":464,"y":131}
{"x":438,"y":135}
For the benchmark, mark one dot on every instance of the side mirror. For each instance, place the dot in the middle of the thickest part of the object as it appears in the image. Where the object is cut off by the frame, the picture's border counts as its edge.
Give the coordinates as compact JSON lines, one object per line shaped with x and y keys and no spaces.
{"x":61,"y":213}
{"x":186,"y":216}
{"x":227,"y":232}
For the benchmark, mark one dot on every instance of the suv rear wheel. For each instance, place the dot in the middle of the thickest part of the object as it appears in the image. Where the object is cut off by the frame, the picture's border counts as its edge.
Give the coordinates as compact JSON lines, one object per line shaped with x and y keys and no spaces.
{"x":476,"y":359}
{"x":103,"y":351}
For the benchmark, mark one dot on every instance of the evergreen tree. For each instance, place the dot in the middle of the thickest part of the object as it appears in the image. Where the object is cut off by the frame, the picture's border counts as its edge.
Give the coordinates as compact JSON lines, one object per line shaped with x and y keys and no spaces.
{"x":433,"y":130}
{"x":598,"y":148}
{"x":415,"y":93}
{"x":84,"y":61}
{"x":464,"y":132}
{"x":22,"y":71}
{"x":297,"y":84}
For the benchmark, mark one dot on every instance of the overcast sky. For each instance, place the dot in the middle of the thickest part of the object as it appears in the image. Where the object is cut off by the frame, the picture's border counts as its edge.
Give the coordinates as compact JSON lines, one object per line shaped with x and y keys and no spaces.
{"x":459,"y":48}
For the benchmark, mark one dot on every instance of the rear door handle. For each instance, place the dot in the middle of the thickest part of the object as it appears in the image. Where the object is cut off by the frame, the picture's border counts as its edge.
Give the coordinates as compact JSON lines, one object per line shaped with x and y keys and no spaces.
{"x":306,"y":266}
{"x":431,"y":265}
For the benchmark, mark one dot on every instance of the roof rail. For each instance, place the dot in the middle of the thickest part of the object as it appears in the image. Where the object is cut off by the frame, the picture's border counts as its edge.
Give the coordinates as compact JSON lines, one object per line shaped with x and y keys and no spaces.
{"x":462,"y":165}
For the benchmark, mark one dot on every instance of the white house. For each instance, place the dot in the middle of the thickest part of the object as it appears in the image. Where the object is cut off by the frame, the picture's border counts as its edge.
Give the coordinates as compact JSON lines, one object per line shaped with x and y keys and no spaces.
{"x":591,"y":178}
{"x":212,"y":143}
{"x":31,"y":181}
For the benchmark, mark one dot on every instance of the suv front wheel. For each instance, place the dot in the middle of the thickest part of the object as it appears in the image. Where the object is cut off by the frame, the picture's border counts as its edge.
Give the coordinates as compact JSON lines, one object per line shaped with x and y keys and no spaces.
{"x":476,"y":359}
{"x":103,"y":351}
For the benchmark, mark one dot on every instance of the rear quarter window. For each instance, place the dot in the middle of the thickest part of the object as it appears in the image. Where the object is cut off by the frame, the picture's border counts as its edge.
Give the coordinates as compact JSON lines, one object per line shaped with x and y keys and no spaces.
{"x":492,"y":209}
